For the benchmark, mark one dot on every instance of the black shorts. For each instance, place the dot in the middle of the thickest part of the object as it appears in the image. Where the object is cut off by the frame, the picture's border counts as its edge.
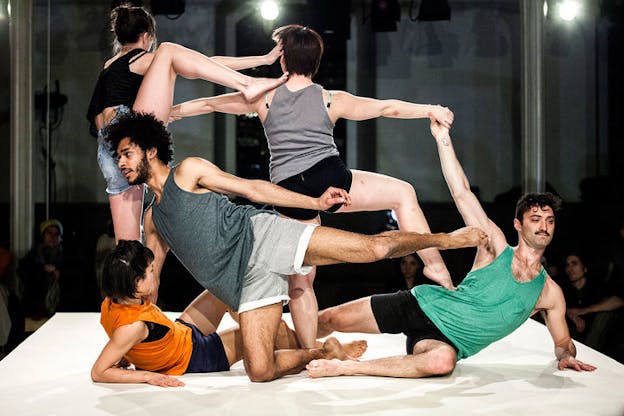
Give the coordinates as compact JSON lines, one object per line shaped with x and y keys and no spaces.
{"x":208,"y":353}
{"x":400,"y":312}
{"x":313,"y":182}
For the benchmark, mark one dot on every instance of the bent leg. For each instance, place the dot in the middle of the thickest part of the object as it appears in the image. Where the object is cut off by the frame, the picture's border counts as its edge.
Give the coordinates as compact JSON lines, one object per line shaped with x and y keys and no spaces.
{"x":156,"y":92}
{"x":374,"y":192}
{"x":126,"y":209}
{"x":259,"y":328}
{"x":303,"y":307}
{"x":354,"y":316}
{"x":430,"y":358}
{"x":205,"y":312}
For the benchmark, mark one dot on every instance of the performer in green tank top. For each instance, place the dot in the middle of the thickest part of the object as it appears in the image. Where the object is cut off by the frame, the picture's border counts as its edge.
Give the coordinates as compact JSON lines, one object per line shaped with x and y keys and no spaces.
{"x":504,"y":288}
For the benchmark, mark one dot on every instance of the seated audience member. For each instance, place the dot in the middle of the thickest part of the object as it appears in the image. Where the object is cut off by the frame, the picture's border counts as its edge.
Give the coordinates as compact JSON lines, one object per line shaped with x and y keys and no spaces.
{"x":580,"y":289}
{"x":41,"y":270}
{"x":411,"y":274}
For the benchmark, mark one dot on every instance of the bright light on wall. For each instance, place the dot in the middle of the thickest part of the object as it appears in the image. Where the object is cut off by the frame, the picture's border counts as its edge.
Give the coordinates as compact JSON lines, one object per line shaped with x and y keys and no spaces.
{"x":569,"y":10}
{"x":269,"y":10}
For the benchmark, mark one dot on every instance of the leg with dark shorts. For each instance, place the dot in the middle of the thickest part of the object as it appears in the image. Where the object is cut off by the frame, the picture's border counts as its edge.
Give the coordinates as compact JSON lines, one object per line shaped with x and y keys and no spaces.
{"x":393,"y":313}
{"x":313,"y":182}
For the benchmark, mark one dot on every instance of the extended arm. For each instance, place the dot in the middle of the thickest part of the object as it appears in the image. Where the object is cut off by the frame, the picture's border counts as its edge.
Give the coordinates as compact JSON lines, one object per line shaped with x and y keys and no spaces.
{"x":106,"y":369}
{"x":244,"y":62}
{"x":467,"y":203}
{"x":554,"y":316}
{"x":352,"y":107}
{"x":233,"y":103}
{"x":195,"y":173}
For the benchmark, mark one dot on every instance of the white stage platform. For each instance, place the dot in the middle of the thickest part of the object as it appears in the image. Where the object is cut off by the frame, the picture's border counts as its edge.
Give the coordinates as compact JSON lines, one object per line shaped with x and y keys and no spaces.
{"x":49,"y":375}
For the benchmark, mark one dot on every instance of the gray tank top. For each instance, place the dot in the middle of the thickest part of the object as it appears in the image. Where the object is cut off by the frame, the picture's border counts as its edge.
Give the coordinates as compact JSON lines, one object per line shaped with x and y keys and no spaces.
{"x":298,"y":130}
{"x":211,"y":236}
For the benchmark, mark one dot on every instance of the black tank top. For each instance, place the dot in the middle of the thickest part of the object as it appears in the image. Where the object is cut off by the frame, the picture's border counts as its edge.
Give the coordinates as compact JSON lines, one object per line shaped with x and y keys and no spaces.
{"x":116,"y":85}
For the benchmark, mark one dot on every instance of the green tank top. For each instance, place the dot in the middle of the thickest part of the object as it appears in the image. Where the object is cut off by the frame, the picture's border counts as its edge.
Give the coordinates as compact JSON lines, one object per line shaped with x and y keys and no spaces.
{"x":488,"y":305}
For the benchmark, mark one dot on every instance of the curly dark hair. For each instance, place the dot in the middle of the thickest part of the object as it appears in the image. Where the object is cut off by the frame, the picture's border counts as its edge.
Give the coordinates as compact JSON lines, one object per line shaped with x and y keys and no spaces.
{"x":144,"y":130}
{"x":302,"y":48}
{"x":536,"y":199}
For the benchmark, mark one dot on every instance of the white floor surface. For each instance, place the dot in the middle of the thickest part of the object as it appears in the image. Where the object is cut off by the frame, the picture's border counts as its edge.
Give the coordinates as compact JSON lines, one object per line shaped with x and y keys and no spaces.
{"x":48,"y":374}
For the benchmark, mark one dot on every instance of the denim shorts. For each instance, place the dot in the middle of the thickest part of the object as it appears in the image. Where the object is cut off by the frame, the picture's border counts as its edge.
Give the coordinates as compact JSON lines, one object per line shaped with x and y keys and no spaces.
{"x":116,"y":182}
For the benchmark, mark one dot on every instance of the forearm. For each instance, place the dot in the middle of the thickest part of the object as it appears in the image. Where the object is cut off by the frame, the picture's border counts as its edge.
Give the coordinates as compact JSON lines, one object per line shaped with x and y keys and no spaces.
{"x":267,"y":193}
{"x":192,"y":108}
{"x":451,"y":168}
{"x":610,"y":304}
{"x":120,"y":375}
{"x":242,"y":62}
{"x":404,"y":109}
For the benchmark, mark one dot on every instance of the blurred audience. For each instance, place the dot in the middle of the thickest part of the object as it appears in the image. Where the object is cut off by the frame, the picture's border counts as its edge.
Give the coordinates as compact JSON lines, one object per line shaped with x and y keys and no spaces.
{"x":41,"y":270}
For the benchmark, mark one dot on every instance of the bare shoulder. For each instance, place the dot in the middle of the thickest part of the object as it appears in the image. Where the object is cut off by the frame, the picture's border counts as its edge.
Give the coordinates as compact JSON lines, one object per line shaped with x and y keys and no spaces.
{"x":142,"y":63}
{"x":551,"y":296}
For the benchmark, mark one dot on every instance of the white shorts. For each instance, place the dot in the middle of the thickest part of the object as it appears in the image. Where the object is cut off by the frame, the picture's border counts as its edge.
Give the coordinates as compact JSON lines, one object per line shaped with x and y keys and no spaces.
{"x":279,"y":247}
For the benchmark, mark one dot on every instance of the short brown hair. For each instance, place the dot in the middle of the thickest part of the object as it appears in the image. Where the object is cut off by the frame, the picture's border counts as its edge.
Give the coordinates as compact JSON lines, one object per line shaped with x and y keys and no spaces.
{"x":302,"y":48}
{"x":536,"y":199}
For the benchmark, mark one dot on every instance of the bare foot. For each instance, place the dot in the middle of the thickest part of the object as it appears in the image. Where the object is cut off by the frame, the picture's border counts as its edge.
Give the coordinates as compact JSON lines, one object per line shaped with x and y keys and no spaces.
{"x":259,"y":86}
{"x":332,"y":348}
{"x":442,"y":278}
{"x":467,"y":237}
{"x":355,"y":349}
{"x":325,"y":368}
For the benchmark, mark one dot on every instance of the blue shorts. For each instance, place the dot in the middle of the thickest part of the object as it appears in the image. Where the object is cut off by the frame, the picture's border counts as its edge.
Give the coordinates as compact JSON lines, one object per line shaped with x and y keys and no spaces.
{"x":116,"y":182}
{"x":208,"y":353}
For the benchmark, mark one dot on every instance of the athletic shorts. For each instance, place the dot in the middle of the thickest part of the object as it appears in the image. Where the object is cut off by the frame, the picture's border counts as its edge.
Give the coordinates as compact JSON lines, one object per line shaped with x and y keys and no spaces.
{"x":400,"y":313}
{"x":279,"y":247}
{"x":116,"y":182}
{"x":313,"y":182}
{"x":208,"y":353}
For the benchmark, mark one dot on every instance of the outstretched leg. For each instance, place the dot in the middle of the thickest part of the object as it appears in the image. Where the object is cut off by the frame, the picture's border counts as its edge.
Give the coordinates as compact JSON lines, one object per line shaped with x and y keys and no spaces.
{"x":374,"y":192}
{"x":331,"y":246}
{"x":430,"y":358}
{"x":156,"y":92}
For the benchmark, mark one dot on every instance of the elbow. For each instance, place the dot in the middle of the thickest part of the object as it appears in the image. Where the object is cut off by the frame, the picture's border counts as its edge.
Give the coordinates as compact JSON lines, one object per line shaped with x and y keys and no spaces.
{"x":95,"y":376}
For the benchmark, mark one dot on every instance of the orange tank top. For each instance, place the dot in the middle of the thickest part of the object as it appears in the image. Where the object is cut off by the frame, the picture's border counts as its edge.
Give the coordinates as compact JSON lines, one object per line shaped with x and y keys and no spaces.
{"x":169,"y":355}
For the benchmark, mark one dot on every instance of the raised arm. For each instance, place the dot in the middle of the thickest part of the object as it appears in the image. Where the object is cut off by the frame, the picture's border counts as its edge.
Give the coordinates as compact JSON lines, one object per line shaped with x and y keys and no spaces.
{"x":467,"y":203}
{"x":196,"y":173}
{"x":352,"y":107}
{"x":106,"y":368}
{"x":554,"y":306}
{"x":244,"y":62}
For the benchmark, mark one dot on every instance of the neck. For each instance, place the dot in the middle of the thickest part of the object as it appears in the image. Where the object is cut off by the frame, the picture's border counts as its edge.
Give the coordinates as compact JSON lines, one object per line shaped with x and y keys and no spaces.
{"x":529,"y":255}
{"x":579,"y":283}
{"x":130,"y":46}
{"x":158,"y":176}
{"x":297,"y":81}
